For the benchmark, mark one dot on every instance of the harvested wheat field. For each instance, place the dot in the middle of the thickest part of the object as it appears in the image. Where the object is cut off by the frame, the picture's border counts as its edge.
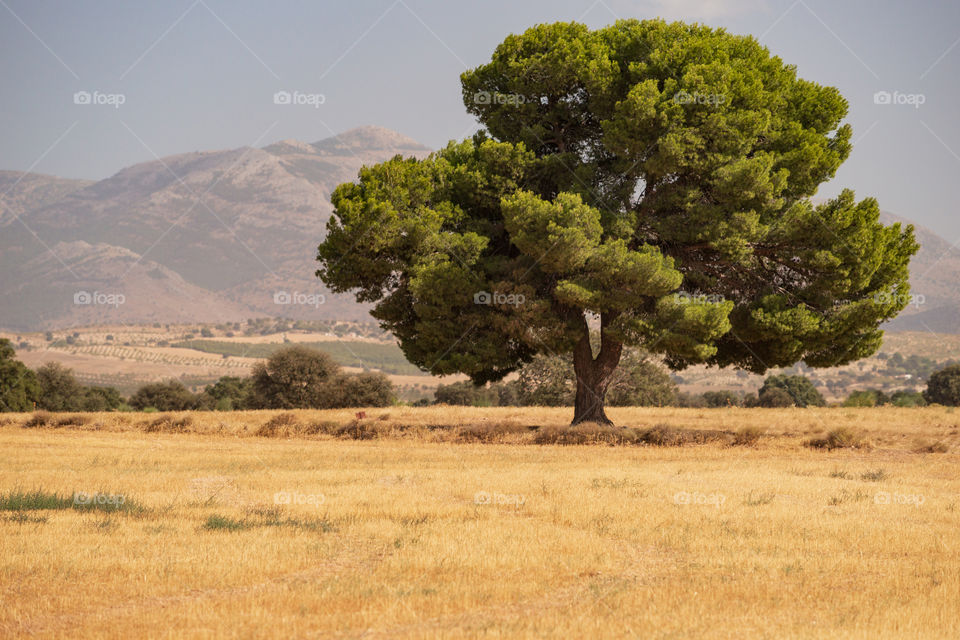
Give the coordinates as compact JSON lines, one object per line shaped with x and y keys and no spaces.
{"x":444,"y":522}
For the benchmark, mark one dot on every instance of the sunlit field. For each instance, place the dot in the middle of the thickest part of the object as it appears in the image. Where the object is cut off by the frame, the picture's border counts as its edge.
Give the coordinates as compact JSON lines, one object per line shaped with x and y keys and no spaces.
{"x":460,"y":522}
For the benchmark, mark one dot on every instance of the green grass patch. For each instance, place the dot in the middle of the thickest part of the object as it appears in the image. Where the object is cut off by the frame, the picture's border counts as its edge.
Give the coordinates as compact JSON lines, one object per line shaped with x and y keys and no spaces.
{"x":266,"y":517}
{"x":372,"y":355}
{"x":877,"y":475}
{"x":39,"y":500}
{"x":223,"y":523}
{"x":20,"y":500}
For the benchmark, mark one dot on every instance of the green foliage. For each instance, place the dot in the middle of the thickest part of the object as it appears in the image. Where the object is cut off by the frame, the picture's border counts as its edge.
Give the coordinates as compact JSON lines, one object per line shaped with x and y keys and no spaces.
{"x":907,"y":398}
{"x":548,"y":381}
{"x":655,"y":175}
{"x":466,"y":394}
{"x":719,"y":399}
{"x":943,"y":387}
{"x":101,"y":399}
{"x":640,"y":382}
{"x":19,"y":389}
{"x":229,"y":393}
{"x":775,"y":398}
{"x":861,"y":398}
{"x":59,"y":390}
{"x":163,"y":396}
{"x":367,"y":389}
{"x":801,"y":391}
{"x":293,"y":378}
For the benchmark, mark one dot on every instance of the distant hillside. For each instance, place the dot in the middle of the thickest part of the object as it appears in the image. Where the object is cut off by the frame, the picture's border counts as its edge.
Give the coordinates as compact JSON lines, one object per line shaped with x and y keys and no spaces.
{"x":934,"y":276}
{"x":203,"y":236}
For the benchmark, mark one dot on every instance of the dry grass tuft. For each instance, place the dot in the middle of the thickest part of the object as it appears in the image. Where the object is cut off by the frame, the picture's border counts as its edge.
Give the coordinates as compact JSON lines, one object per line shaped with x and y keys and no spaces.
{"x":508,"y":431}
{"x":39,"y":419}
{"x":74,"y":420}
{"x":937,"y":446}
{"x":665,"y":435}
{"x":282,"y":425}
{"x":841,"y":438}
{"x":585,"y":433}
{"x":747,"y":436}
{"x":169,"y":424}
{"x":364,"y":429}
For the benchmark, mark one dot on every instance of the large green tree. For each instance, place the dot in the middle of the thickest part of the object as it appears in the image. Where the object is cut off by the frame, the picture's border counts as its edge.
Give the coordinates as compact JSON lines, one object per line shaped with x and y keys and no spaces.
{"x":650,"y":180}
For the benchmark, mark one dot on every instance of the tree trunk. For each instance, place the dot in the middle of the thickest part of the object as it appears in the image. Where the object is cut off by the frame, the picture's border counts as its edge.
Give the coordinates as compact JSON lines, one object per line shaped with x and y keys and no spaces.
{"x":594,"y":374}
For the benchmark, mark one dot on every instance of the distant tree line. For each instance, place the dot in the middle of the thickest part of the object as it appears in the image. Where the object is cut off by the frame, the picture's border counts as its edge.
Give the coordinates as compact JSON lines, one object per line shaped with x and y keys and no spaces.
{"x":299,"y":377}
{"x":292,"y":378}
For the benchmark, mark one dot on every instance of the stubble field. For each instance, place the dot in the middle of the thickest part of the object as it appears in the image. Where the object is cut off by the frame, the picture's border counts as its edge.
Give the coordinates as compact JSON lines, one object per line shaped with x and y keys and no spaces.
{"x":445,"y":522}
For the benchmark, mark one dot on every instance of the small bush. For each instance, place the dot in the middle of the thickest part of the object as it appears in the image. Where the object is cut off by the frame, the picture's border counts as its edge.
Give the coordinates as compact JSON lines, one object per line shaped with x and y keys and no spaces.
{"x":223,"y":523}
{"x":280,"y":425}
{"x":169,"y":424}
{"x":586,"y":433}
{"x":73,"y":421}
{"x":492,"y":432}
{"x":362,"y":430}
{"x":39,"y":419}
{"x":747,"y":436}
{"x":328,"y":427}
{"x":662,"y":435}
{"x":840,"y":438}
{"x":19,"y":500}
{"x":877,"y":475}
{"x":937,"y":446}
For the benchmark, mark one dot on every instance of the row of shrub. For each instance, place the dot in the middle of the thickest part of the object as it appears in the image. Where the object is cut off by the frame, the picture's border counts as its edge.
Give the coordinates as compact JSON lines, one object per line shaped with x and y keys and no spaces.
{"x":549,"y":382}
{"x":293,"y":378}
{"x":300,"y":377}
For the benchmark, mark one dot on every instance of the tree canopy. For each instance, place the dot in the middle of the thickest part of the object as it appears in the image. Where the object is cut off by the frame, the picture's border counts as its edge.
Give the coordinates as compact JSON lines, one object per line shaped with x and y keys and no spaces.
{"x":649,"y":179}
{"x":19,"y":389}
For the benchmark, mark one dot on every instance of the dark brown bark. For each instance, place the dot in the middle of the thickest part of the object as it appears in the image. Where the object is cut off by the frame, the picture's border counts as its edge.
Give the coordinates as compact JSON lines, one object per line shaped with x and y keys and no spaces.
{"x":594,"y":374}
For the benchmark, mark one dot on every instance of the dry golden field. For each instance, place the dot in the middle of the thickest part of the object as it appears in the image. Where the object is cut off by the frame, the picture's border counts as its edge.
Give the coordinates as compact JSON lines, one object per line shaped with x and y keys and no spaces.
{"x":446,"y":522}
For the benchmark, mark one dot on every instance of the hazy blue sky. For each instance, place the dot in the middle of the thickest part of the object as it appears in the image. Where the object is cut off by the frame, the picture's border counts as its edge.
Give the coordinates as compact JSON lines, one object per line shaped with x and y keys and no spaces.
{"x":201,"y":74}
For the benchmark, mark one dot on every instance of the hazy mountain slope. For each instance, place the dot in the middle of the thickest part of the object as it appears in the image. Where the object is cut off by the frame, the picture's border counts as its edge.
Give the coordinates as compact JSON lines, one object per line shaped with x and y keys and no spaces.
{"x":21,"y":192}
{"x":107,"y":284}
{"x":242,"y":224}
{"x":934,"y":279}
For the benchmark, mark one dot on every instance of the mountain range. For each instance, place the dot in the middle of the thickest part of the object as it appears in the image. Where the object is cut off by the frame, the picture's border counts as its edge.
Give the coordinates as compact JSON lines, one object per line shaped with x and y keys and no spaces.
{"x":215,"y":236}
{"x":208,"y":236}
